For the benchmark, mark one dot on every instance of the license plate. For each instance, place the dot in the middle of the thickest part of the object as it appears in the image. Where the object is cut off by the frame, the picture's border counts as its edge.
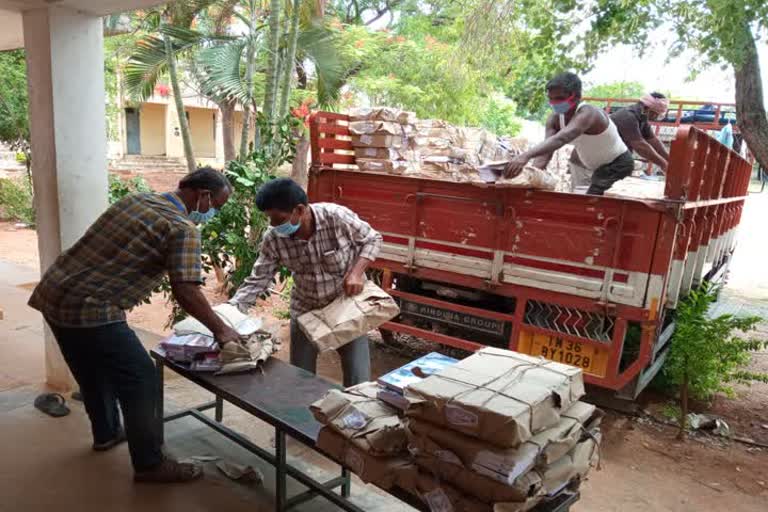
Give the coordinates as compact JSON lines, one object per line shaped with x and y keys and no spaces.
{"x":591,"y":359}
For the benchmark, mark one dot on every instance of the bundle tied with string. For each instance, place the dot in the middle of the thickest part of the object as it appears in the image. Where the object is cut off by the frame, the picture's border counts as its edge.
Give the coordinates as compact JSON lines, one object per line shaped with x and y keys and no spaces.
{"x":364,"y":434}
{"x":496,"y":395}
{"x":358,"y":415}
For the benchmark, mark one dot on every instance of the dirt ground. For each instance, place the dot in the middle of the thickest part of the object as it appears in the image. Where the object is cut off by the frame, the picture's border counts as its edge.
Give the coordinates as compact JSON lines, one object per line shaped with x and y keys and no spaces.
{"x":643,"y":466}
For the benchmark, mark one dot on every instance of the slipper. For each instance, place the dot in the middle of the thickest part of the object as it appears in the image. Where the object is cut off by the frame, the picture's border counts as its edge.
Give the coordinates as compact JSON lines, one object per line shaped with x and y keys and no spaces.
{"x":106,"y":445}
{"x":52,"y":404}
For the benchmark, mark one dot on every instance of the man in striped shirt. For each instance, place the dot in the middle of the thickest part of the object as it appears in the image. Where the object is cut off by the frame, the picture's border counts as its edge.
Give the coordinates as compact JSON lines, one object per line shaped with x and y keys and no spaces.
{"x":327,"y":248}
{"x":114,"y":267}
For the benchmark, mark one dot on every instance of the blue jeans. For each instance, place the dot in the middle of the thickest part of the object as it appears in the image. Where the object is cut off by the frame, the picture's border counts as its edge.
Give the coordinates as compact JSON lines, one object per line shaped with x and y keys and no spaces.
{"x":355,"y":356}
{"x":111,"y":366}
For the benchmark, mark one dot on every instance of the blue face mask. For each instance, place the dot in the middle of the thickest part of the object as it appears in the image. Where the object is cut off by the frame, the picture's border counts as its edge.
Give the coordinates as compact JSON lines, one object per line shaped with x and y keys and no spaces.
{"x":201,"y":218}
{"x":286,"y":229}
{"x":562,"y":107}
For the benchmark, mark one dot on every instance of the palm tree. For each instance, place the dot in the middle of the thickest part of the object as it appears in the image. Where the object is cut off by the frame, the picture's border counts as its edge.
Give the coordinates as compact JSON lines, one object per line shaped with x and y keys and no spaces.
{"x":156,"y":55}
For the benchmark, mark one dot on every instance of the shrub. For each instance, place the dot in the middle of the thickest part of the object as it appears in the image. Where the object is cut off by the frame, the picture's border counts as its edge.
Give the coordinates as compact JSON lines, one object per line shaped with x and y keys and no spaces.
{"x":708,"y":353}
{"x":16,"y":200}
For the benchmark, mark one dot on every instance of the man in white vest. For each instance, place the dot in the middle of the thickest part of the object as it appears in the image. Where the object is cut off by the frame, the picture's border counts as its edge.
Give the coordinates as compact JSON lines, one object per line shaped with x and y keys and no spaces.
{"x":592,"y":133}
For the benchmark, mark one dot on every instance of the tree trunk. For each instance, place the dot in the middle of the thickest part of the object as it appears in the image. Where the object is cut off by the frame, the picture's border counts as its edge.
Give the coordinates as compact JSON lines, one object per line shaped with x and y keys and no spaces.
{"x":183,"y":125}
{"x":228,"y":129}
{"x":290,"y":59}
{"x":683,"y":408}
{"x":273,"y":61}
{"x":250,"y":55}
{"x":750,"y":109}
{"x":300,"y":166}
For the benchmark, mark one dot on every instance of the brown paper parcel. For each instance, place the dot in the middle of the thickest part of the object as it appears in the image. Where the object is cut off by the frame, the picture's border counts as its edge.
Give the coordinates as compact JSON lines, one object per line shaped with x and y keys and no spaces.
{"x":382,"y":471}
{"x":505,"y":465}
{"x":379,"y":141}
{"x":448,"y":467}
{"x":386,"y":166}
{"x":348,"y":318}
{"x":379,"y":128}
{"x":497,"y":395}
{"x":382,"y":114}
{"x":542,"y":481}
{"x":441,"y":497}
{"x":361,"y":417}
{"x":384,"y":153}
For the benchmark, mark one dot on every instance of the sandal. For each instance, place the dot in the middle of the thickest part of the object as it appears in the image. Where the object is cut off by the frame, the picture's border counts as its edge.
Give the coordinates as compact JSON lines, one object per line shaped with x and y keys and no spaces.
{"x":169,"y":471}
{"x":52,"y":404}
{"x":106,"y":445}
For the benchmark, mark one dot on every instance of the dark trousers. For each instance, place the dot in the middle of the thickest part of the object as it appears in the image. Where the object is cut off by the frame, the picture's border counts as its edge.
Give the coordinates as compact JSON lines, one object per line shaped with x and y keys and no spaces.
{"x":605,"y":176}
{"x":355,"y":356}
{"x":111,"y":366}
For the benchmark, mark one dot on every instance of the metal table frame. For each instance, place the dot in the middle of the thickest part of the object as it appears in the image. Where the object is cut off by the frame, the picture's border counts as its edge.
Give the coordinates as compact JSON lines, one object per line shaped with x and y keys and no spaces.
{"x":283,"y":470}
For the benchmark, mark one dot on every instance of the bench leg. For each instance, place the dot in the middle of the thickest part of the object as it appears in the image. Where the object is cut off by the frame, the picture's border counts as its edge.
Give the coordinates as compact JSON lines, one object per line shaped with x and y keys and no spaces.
{"x":280,"y":473}
{"x":219,"y":413}
{"x":160,"y":411}
{"x":346,"y":487}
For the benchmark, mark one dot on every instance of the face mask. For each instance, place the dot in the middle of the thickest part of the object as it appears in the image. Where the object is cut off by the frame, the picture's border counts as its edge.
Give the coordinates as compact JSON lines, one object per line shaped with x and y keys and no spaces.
{"x":287,"y":228}
{"x":201,"y":218}
{"x":562,"y":107}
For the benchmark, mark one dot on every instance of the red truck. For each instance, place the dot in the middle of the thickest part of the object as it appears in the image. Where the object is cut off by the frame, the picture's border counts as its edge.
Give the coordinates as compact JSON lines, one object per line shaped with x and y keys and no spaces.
{"x":586,"y":280}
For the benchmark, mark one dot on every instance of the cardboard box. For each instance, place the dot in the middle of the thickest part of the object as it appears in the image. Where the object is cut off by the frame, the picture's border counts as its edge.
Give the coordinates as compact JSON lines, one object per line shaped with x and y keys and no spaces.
{"x":348,"y":318}
{"x":382,"y":114}
{"x":505,"y":465}
{"x":358,"y":415}
{"x":379,"y":128}
{"x":382,"y":471}
{"x":379,"y":141}
{"x":574,"y":466}
{"x":497,"y":395}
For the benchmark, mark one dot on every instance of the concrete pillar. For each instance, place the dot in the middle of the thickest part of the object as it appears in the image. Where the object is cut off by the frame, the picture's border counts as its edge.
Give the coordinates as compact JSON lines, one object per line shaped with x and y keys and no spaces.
{"x":65,"y":75}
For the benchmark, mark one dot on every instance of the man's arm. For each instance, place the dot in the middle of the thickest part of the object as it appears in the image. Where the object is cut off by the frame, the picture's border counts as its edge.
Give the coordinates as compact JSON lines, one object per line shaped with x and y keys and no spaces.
{"x":580,"y":123}
{"x":366,"y":238}
{"x":543,"y":161}
{"x":645,"y":150}
{"x":256,"y":284}
{"x":184,"y":267}
{"x":189,"y":297}
{"x":659,"y":147}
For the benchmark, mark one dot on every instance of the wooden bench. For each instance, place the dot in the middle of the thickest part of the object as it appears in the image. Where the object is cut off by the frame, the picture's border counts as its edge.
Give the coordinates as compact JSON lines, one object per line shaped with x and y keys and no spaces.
{"x":281,"y":395}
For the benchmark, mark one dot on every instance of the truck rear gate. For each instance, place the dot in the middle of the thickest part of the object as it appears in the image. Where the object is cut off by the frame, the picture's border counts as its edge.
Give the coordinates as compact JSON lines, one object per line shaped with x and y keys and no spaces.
{"x":585,"y":280}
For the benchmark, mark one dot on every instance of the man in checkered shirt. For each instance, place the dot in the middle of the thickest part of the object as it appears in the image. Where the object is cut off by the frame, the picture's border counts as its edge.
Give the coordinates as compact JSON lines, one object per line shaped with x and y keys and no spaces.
{"x":114,"y":267}
{"x":327,"y":248}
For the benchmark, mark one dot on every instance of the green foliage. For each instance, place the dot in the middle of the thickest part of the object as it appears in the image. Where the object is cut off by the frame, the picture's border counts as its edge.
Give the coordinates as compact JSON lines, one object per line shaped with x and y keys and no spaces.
{"x":630,"y":90}
{"x":709,"y":353}
{"x":14,"y":102}
{"x":119,"y":188}
{"x":231,"y":239}
{"x":16,"y":202}
{"x":499,"y":117}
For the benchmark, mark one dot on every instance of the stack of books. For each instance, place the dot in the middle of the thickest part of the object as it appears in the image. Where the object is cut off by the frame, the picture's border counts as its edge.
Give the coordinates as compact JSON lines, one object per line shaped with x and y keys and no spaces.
{"x":393,"y":384}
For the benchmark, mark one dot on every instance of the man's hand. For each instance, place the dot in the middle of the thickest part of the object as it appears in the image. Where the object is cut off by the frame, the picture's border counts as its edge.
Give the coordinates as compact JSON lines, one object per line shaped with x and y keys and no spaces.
{"x":515,"y":166}
{"x":225,"y":335}
{"x":353,"y":283}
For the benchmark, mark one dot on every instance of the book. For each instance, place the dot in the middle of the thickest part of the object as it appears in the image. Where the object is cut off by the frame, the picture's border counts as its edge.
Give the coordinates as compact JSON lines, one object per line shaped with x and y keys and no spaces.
{"x":398,"y":380}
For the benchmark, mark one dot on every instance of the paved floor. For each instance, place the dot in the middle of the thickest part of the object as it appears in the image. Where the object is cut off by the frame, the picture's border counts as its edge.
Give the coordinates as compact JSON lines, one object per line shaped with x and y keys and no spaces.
{"x":46,"y":463}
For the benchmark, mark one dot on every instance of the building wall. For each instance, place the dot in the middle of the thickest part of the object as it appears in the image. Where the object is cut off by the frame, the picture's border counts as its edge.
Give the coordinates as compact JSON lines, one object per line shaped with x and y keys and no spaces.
{"x":152,"y":120}
{"x":202,"y":130}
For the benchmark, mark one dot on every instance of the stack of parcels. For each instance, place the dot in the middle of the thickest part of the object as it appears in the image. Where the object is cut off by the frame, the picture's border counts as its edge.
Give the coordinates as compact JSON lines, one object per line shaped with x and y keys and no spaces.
{"x":364,"y":434}
{"x":559,"y":168}
{"x":500,"y":427}
{"x":381,"y":139}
